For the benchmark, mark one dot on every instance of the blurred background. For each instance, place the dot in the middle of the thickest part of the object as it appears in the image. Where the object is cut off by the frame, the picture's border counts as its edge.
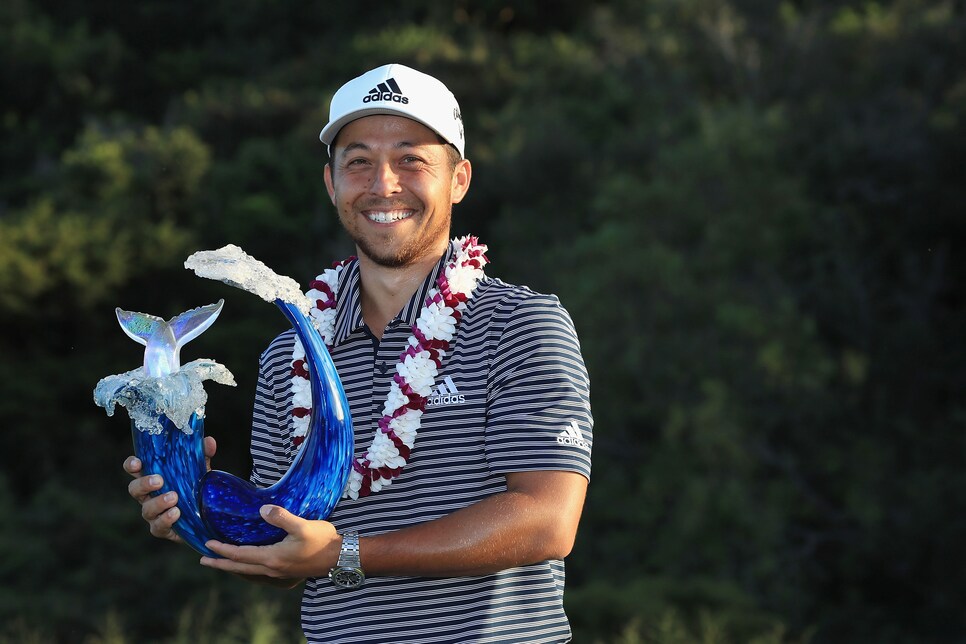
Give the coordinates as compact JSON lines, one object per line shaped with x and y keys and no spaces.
{"x":749,"y":208}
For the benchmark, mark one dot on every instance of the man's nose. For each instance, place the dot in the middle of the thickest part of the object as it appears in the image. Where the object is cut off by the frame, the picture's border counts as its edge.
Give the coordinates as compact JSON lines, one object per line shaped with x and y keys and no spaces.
{"x":386,"y":180}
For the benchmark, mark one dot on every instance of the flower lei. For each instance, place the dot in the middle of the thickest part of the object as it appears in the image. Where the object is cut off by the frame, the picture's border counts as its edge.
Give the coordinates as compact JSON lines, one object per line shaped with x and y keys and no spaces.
{"x":416,"y":370}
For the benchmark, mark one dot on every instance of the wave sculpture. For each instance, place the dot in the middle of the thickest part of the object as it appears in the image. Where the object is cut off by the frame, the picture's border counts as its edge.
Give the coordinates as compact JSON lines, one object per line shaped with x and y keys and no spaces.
{"x":166,"y":401}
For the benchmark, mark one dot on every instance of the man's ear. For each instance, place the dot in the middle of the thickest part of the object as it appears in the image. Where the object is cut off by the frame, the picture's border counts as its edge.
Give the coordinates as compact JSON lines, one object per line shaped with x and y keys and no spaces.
{"x":329,"y":186}
{"x":461,"y":180}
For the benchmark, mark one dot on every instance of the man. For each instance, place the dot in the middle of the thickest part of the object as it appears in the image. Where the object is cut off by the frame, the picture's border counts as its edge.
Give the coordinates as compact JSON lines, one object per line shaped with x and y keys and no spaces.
{"x":467,"y":542}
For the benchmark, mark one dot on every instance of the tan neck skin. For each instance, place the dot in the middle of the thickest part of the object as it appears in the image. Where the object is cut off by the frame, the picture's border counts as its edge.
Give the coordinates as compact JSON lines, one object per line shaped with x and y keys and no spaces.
{"x":385,"y":291}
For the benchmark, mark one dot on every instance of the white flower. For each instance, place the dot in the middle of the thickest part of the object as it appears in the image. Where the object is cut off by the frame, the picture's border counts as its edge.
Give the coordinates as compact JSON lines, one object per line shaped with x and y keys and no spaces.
{"x":381,"y":451}
{"x":331,"y":277}
{"x":419,"y":371}
{"x":301,"y":392}
{"x":353,"y":486}
{"x":464,"y":280}
{"x":394,"y":400}
{"x":300,"y":426}
{"x":405,"y":426}
{"x":324,"y":321}
{"x":437,"y":322}
{"x":379,"y":483}
{"x":316,"y":295}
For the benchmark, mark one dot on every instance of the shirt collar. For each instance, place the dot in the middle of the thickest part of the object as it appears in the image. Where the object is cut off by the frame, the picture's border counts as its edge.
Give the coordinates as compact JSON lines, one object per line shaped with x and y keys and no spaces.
{"x":348,"y":305}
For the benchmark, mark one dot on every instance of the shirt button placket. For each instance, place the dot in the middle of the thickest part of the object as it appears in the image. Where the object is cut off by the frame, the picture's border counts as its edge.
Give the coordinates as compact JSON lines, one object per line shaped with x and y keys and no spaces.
{"x":387,"y":356}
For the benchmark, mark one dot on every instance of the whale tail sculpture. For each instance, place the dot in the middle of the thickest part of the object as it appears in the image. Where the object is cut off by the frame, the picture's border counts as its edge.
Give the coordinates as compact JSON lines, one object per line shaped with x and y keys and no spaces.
{"x":218,"y":505}
{"x":165,"y":339}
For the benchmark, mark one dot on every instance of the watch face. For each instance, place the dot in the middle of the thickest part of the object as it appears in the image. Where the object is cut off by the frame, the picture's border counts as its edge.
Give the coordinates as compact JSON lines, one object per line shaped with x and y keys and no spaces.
{"x":347,"y":577}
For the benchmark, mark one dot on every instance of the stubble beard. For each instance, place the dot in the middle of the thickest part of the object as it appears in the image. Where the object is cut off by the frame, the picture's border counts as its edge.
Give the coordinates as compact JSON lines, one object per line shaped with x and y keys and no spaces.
{"x":410,"y":252}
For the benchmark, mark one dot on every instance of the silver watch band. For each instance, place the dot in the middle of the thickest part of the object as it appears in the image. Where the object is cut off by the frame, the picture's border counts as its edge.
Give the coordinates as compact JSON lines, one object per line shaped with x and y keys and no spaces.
{"x":348,"y":572}
{"x":349,"y":554}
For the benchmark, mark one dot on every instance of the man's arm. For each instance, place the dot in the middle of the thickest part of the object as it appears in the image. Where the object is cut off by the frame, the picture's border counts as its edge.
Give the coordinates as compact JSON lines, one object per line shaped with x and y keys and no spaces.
{"x":534,"y":520}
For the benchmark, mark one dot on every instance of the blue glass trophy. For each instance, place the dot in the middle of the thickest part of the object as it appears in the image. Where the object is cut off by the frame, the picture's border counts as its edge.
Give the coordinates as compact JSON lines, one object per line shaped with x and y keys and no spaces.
{"x":166,"y":400}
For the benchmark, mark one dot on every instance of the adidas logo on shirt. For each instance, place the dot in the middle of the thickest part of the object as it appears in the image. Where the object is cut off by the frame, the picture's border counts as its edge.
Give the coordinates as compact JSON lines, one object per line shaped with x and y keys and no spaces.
{"x":388,"y":91}
{"x":445,"y":394}
{"x":572,"y":436}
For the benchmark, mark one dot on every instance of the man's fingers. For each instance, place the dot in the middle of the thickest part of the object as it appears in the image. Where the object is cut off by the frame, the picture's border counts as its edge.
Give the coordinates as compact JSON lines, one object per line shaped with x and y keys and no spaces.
{"x":155,"y":506}
{"x":163,"y":525}
{"x":161,"y":512}
{"x":259,"y":561}
{"x":254,"y":555}
{"x":132,"y":465}
{"x":238,"y":567}
{"x":142,"y":487}
{"x":210,"y":447}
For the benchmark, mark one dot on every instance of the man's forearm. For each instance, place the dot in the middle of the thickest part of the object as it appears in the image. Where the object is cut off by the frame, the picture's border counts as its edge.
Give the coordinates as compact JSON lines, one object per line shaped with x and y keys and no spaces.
{"x":534,"y":520}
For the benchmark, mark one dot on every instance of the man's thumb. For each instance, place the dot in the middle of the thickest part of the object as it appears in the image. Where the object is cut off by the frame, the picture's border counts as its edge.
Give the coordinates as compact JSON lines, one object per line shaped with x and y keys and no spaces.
{"x":279,"y":517}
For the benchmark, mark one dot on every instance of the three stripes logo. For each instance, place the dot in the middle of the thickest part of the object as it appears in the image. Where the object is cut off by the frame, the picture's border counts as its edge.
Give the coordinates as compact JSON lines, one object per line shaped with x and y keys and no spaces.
{"x":572,"y":436}
{"x":387,"y":91}
{"x":445,"y":394}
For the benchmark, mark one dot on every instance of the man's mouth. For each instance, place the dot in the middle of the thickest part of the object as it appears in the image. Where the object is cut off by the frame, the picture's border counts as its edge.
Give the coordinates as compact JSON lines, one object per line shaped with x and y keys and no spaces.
{"x":387,"y":216}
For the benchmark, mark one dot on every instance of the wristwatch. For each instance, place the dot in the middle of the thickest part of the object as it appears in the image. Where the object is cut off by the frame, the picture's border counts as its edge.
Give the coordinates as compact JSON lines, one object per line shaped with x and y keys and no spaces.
{"x":348,"y":571}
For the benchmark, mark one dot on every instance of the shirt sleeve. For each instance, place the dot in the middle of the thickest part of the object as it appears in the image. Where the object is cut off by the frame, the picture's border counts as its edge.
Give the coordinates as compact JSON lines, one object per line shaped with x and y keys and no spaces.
{"x":272,"y":449}
{"x":538,"y":401}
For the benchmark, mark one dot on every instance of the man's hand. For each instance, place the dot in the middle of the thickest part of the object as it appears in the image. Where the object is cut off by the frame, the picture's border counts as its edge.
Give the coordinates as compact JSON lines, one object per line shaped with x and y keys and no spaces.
{"x":310,"y":549}
{"x":159,"y":511}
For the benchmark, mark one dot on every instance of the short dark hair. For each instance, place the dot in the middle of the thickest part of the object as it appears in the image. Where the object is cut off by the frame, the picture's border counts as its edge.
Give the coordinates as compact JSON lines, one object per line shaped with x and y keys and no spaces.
{"x":451,"y":152}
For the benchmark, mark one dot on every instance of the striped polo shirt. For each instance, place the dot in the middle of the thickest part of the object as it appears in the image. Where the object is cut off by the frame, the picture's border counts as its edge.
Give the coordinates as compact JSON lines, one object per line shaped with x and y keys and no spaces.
{"x":512,"y":395}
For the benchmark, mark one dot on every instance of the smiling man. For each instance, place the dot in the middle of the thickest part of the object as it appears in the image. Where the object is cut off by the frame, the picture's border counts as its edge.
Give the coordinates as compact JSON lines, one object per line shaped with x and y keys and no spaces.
{"x":394,"y":185}
{"x":465,"y":498}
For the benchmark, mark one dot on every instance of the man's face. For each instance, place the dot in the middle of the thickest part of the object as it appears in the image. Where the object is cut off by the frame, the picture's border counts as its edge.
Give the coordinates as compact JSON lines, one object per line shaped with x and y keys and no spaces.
{"x":393,"y":186}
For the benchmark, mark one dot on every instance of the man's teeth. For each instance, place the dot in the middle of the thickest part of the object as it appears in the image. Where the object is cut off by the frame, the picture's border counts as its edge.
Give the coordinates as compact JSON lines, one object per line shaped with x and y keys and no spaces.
{"x":388,"y":217}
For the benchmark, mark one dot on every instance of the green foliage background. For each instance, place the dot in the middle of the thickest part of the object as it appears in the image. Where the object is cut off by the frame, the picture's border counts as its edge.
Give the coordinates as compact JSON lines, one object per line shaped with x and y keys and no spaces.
{"x":750,"y":209}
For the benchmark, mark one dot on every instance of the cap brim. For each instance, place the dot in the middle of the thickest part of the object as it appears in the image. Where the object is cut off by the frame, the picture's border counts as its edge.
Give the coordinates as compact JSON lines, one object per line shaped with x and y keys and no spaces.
{"x":331,"y":129}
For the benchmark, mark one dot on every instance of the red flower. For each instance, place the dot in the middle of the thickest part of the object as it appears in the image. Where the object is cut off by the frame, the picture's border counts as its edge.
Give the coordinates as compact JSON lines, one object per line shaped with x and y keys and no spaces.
{"x":299,"y":369}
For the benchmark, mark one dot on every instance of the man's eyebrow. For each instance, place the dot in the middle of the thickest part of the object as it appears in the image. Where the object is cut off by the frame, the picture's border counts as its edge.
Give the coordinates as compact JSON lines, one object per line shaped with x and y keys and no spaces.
{"x":359,"y":145}
{"x":355,"y":146}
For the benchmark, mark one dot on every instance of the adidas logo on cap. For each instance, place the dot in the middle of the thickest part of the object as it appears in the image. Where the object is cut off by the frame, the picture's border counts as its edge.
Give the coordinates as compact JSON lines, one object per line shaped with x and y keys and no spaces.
{"x":387,"y":91}
{"x":395,"y":89}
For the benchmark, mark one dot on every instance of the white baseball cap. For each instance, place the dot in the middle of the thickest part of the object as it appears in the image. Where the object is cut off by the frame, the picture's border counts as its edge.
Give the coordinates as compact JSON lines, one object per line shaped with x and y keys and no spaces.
{"x":397,"y":90}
